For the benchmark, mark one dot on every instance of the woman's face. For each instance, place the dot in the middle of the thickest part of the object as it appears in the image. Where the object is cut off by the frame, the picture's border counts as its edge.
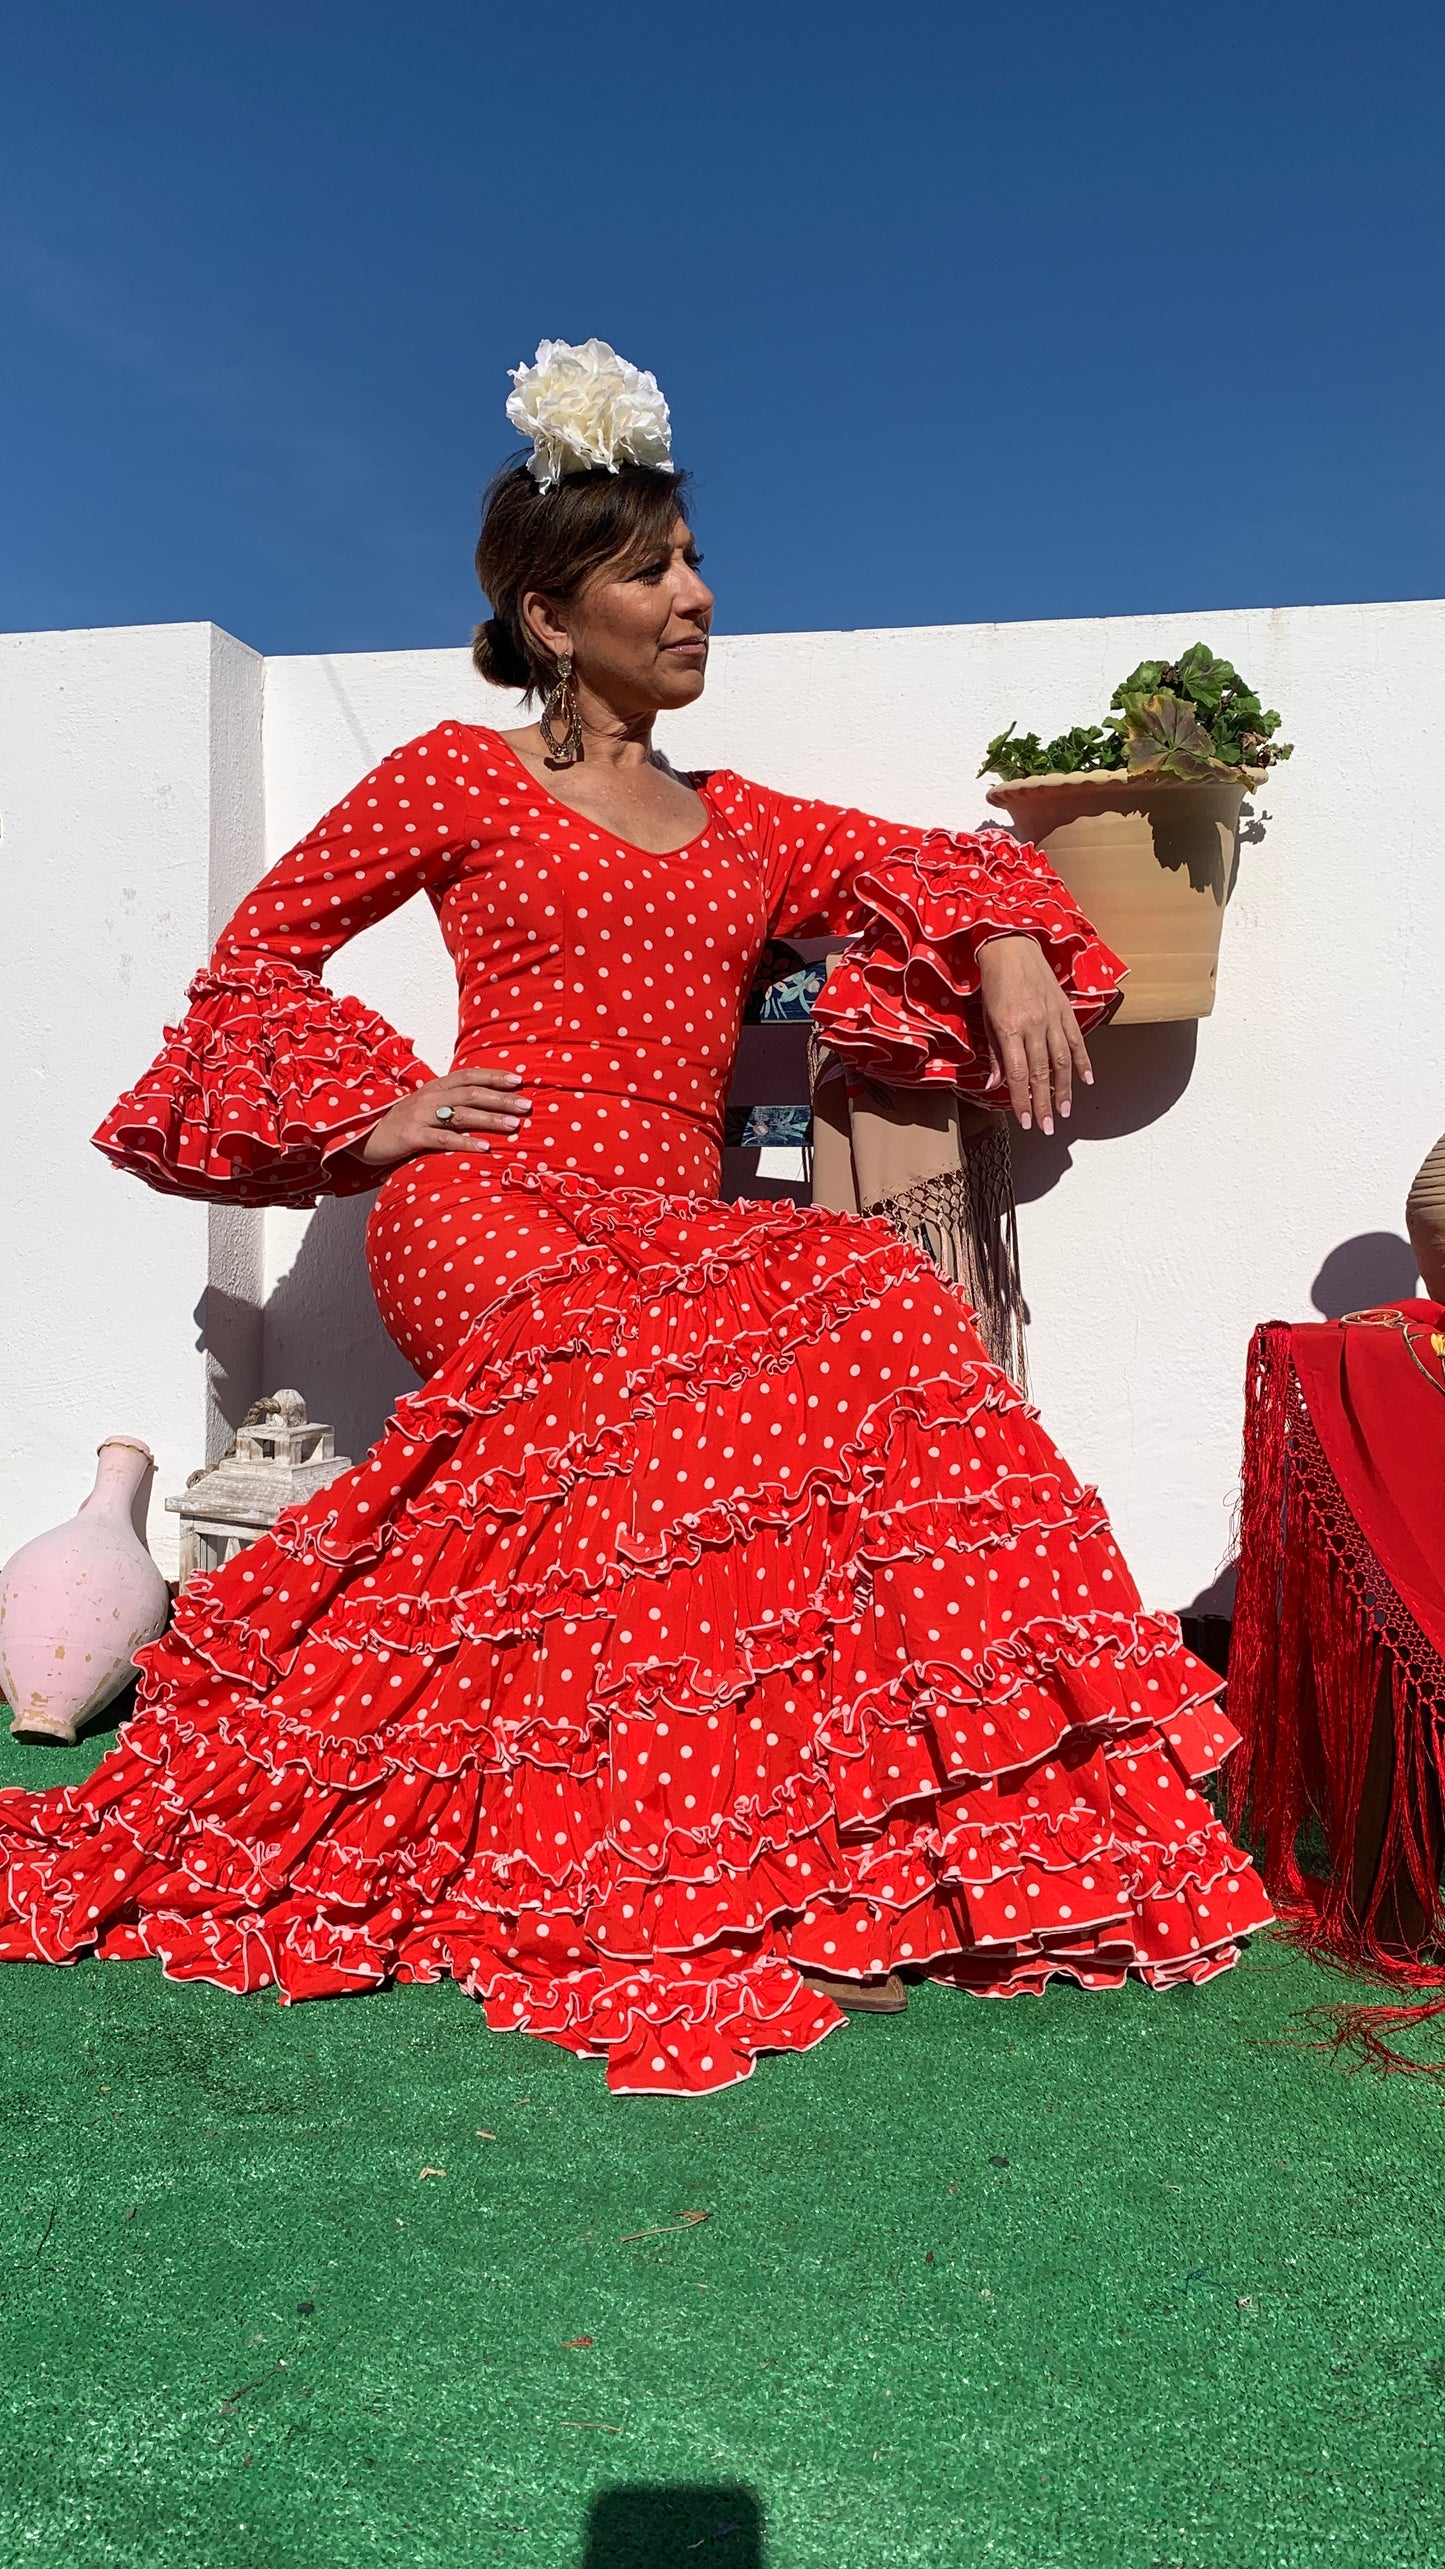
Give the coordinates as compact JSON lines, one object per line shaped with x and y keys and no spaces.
{"x":638,"y":636}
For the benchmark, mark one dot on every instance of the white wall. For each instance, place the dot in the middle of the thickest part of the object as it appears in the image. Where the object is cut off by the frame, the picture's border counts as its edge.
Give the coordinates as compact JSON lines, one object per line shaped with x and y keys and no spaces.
{"x":1206,"y":1181}
{"x":130,"y":804}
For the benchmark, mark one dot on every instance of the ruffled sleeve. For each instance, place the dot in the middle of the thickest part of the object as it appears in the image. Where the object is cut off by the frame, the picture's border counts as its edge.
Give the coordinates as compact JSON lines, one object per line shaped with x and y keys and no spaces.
{"x":904,"y":1007}
{"x":263,"y":1090}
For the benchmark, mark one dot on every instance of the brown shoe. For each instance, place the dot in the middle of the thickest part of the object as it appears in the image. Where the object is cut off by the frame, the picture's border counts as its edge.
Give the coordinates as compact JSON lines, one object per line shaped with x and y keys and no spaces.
{"x":859,"y":1997}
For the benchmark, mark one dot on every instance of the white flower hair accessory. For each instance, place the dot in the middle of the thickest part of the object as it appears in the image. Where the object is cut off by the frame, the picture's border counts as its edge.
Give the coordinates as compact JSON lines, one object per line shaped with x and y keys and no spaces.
{"x":586,"y":409}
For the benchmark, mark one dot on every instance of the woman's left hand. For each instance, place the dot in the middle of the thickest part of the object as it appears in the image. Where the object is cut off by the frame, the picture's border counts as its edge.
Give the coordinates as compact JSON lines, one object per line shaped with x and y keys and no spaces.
{"x":1032,"y":1030}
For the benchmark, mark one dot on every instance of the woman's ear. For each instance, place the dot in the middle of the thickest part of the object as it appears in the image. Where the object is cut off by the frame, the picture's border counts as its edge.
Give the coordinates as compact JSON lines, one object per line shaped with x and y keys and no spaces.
{"x":539,"y":617}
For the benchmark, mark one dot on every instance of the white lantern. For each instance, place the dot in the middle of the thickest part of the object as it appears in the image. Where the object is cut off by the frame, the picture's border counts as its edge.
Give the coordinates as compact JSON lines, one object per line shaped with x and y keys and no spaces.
{"x":278,"y":1455}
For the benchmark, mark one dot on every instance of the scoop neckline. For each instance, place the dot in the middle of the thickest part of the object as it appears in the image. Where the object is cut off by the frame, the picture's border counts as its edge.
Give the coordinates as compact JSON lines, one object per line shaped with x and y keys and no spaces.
{"x":663,"y":855}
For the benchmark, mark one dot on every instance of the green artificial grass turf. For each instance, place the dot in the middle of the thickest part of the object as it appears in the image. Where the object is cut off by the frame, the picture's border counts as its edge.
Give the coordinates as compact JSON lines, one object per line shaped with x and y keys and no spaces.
{"x":1117,"y":2282}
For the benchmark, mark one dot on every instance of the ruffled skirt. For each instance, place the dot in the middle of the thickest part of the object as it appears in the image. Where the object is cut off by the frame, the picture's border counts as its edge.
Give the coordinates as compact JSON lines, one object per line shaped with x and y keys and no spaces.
{"x":713,"y":1614}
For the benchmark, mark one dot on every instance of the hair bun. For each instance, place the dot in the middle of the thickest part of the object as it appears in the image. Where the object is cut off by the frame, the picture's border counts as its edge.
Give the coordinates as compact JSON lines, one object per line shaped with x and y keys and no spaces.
{"x":499,"y":656}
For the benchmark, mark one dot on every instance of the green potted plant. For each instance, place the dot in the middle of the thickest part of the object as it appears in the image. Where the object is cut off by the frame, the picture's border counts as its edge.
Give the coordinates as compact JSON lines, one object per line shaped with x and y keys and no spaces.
{"x":1140,"y":815}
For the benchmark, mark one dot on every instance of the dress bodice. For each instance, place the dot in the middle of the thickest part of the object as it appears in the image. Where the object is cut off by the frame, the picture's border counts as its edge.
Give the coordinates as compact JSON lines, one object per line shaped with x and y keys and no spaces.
{"x":611,"y":977}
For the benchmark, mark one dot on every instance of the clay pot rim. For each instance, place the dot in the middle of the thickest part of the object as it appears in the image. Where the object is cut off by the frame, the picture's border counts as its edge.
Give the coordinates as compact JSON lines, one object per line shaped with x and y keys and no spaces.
{"x":1116,"y":780}
{"x":137,"y":1445}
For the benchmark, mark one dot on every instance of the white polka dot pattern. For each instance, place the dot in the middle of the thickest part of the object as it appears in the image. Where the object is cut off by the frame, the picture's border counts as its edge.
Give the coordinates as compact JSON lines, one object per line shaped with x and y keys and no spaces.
{"x":611,"y":977}
{"x":715,"y":1611}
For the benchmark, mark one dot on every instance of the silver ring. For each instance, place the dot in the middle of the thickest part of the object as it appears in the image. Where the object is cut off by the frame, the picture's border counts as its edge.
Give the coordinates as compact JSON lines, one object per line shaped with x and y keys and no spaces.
{"x":445,"y":1114}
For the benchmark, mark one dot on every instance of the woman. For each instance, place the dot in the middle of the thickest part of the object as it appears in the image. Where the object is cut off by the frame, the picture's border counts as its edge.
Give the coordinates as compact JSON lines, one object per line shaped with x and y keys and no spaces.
{"x":715,"y":1633}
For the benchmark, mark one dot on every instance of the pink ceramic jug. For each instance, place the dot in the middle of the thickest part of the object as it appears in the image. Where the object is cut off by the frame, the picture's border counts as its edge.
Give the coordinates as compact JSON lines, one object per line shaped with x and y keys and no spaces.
{"x":77,"y":1603}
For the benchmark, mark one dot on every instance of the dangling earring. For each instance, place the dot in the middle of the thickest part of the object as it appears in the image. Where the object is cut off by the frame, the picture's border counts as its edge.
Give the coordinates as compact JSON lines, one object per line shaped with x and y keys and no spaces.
{"x":561,"y":706}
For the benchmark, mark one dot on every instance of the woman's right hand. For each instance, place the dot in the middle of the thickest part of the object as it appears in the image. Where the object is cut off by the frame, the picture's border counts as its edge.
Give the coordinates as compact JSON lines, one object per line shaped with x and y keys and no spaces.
{"x":481,"y":1102}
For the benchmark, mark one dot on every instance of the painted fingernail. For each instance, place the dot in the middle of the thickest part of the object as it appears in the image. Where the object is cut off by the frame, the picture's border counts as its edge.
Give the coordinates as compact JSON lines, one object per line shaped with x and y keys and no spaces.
{"x":1026,"y":1123}
{"x":1048,"y":1124}
{"x":1088,"y":1079}
{"x":1066,"y":1109}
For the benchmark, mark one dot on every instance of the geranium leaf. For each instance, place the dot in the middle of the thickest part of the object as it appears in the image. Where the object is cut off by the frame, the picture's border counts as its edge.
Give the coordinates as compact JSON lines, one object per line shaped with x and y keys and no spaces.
{"x":1203,"y":679}
{"x":1146,"y":680}
{"x":1166,"y":739}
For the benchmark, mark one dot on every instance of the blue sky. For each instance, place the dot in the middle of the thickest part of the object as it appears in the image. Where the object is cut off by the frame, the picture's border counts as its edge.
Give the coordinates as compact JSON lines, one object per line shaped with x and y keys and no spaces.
{"x":963,"y":313}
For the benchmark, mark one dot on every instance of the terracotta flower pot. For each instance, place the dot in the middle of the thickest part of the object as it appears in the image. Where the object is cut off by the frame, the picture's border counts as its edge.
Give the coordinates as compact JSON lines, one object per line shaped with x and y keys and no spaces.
{"x":1151,"y":864}
{"x":77,"y":1602}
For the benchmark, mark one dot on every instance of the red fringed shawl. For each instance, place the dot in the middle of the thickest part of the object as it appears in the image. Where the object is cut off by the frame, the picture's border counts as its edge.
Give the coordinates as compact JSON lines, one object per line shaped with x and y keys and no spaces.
{"x":1337,"y":1660}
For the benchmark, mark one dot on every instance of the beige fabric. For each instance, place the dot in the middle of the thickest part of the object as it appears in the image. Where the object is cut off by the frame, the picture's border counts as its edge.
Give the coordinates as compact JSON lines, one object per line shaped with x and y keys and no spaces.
{"x":939,"y":1171}
{"x":1425,"y":1221}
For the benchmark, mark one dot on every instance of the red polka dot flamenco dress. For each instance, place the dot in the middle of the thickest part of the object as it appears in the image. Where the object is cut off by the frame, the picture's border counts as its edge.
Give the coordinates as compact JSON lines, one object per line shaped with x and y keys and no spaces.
{"x":714,"y":1611}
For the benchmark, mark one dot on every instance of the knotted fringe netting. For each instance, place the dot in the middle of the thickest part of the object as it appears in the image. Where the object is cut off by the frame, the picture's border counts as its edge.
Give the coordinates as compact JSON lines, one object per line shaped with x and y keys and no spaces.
{"x":1323,"y":1650}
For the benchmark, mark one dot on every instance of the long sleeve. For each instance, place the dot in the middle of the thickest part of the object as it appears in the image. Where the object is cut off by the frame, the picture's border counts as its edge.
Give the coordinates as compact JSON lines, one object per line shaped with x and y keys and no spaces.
{"x":904,"y":1007}
{"x":271,"y":1079}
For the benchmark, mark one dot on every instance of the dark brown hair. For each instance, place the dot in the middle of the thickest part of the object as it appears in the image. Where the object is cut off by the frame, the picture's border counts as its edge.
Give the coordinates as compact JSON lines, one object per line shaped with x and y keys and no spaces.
{"x":554,"y":540}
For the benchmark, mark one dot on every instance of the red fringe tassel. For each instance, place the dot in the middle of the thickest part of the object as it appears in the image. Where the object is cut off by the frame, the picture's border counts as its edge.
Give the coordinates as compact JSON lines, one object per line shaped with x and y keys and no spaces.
{"x":1323,"y":1682}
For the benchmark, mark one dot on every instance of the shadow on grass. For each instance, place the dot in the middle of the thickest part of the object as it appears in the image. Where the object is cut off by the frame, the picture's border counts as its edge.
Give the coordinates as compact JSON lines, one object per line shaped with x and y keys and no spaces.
{"x":674,"y":2527}
{"x":106,"y":1724}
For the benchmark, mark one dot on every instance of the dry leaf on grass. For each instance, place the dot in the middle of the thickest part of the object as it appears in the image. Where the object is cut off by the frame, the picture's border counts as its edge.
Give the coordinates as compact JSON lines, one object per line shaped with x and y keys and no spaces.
{"x":430,"y":2172}
{"x":684,"y":2221}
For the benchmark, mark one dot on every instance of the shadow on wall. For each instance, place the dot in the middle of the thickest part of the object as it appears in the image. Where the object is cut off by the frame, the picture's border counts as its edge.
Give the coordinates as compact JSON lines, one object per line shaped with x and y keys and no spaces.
{"x":1139,"y":1073}
{"x":1207,"y":1620}
{"x":674,"y":2528}
{"x":1371,"y":1268}
{"x":228,"y":1331}
{"x":323,"y":1332}
{"x":1215,"y":1604}
{"x":1374,"y":1267}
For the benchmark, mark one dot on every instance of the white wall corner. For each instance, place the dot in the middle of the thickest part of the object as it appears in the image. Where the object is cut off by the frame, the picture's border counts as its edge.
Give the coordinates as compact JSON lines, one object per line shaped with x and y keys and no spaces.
{"x":105,"y":757}
{"x":238,"y":778}
{"x":235,"y":1234}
